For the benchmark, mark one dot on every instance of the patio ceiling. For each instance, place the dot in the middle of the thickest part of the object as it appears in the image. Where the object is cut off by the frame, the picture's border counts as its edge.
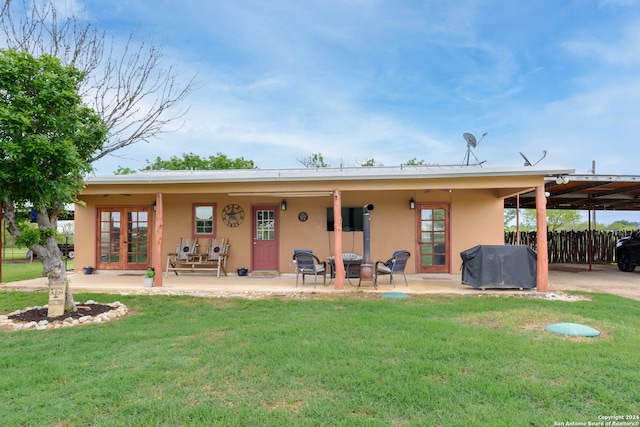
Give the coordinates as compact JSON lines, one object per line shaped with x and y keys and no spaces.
{"x":586,"y":192}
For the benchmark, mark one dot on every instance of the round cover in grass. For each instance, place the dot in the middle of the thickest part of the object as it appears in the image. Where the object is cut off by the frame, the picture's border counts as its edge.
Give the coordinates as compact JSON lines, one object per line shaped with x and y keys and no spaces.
{"x":394,"y":295}
{"x":573,"y":329}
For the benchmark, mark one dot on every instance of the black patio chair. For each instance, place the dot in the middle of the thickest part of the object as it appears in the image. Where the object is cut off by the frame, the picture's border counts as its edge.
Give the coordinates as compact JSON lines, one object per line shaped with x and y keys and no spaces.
{"x":306,"y":264}
{"x":396,"y":264}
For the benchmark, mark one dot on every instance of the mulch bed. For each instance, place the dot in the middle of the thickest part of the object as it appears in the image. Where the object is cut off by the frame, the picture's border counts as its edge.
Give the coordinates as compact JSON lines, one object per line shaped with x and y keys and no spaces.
{"x":38,"y":314}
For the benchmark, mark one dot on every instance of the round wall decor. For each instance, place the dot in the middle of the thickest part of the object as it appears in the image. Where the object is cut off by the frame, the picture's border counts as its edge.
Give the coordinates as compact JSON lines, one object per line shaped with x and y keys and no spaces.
{"x":232,"y":215}
{"x":302,"y":216}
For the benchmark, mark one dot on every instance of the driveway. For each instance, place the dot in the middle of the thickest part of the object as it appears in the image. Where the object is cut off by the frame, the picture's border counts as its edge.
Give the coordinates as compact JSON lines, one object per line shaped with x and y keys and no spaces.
{"x":601,"y":278}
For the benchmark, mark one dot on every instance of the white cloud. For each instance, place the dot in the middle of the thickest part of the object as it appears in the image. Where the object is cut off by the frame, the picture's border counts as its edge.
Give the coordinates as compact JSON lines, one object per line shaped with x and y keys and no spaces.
{"x":621,"y":49}
{"x":354,"y":80}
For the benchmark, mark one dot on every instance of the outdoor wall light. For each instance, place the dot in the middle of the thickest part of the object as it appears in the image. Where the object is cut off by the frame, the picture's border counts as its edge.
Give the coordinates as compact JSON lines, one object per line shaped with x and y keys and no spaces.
{"x":562,"y":180}
{"x":412,"y":204}
{"x":283,"y":205}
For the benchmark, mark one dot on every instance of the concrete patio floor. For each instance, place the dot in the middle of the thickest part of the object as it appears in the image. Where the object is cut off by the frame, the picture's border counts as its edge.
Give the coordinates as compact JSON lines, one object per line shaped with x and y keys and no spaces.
{"x":562,"y":277}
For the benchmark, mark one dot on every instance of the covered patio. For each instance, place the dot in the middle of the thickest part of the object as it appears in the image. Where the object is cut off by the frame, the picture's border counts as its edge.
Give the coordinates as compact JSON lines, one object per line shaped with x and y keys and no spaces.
{"x":562,"y":277}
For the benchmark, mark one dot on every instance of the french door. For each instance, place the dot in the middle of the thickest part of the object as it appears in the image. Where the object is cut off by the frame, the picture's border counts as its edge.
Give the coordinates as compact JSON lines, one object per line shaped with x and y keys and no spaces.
{"x":265,"y":238}
{"x":123,"y":242}
{"x":434,"y":238}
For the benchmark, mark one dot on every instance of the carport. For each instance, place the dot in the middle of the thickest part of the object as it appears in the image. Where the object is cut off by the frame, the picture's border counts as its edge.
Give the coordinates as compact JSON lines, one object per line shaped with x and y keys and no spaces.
{"x":589,"y":193}
{"x":586,"y":192}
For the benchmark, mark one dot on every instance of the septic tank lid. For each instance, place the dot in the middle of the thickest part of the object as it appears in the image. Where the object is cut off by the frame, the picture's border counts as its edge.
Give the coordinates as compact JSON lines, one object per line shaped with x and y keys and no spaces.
{"x":394,"y":295}
{"x":572,"y":329}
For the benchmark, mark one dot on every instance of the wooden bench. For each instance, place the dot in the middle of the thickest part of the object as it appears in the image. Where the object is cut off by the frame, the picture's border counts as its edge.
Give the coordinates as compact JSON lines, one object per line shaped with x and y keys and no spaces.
{"x":213,"y":259}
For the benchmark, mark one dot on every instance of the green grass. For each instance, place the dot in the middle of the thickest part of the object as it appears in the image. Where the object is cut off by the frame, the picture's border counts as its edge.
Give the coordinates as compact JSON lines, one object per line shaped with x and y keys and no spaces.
{"x":15,"y":271}
{"x":338,"y":361}
{"x":14,"y":253}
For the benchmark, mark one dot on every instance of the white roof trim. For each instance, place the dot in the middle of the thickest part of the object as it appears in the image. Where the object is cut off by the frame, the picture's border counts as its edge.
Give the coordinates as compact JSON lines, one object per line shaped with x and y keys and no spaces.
{"x":322,"y":174}
{"x":603,"y":178}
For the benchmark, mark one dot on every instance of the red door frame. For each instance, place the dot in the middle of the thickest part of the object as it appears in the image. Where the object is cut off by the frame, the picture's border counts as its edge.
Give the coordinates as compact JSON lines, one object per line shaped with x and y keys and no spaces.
{"x":274,"y":264}
{"x":446,"y":268}
{"x":123,"y":263}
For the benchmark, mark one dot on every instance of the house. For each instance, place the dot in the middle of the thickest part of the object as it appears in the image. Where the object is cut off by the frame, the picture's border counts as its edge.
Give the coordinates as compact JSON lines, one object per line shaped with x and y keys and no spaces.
{"x":130,"y":222}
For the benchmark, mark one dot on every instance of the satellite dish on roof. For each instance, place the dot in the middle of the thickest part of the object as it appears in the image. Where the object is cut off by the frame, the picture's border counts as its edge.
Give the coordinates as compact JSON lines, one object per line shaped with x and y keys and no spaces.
{"x":528,"y":163}
{"x":472,"y":143}
{"x":471,"y":140}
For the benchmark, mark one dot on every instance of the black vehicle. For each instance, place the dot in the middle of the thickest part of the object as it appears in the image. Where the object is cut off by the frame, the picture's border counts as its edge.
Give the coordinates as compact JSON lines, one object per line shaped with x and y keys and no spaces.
{"x":628,"y":252}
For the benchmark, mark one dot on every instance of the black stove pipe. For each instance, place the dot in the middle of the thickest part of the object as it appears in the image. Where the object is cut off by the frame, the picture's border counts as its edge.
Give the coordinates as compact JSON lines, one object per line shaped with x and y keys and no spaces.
{"x":366,"y":235}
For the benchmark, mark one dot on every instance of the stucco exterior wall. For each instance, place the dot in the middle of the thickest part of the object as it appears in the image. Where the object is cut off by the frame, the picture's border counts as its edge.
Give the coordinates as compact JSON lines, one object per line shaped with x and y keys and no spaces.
{"x":392,"y":226}
{"x":475,"y":218}
{"x":473,"y":197}
{"x":85,"y":230}
{"x":86,"y":217}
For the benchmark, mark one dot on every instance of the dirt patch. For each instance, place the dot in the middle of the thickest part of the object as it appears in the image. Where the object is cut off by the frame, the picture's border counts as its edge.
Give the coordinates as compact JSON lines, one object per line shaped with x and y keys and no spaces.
{"x":38,"y":314}
{"x":599,"y":278}
{"x":528,"y":321}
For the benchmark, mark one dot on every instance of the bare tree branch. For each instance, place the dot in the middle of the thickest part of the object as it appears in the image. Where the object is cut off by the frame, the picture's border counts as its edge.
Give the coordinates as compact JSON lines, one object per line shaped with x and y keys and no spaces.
{"x":134,"y":94}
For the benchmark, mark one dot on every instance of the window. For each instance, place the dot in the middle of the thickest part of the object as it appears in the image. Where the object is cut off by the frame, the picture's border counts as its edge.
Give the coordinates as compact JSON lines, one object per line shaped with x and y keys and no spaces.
{"x":204,"y":220}
{"x":265,"y":224}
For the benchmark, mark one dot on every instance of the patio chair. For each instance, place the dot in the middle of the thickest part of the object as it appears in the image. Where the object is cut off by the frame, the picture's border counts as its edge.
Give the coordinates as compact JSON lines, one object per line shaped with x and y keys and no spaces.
{"x":217,"y":253}
{"x":395,"y":264}
{"x":185,"y":250}
{"x":307,"y":263}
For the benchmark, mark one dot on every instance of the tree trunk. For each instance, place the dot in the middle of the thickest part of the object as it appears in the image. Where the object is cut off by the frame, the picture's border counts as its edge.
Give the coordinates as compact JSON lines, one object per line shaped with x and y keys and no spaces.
{"x":51,"y":256}
{"x":46,"y":249}
{"x":54,"y":269}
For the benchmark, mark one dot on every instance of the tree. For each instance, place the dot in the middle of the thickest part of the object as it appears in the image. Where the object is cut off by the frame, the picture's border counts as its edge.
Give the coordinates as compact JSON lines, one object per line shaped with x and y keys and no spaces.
{"x":415,"y":162}
{"x":509,"y":216}
{"x":314,"y":161}
{"x":47,"y":139}
{"x":117,"y":81}
{"x":621,"y":225}
{"x":134,"y":96}
{"x":192,"y":161}
{"x":370,"y":162}
{"x":556,"y":218}
{"x":124,"y":171}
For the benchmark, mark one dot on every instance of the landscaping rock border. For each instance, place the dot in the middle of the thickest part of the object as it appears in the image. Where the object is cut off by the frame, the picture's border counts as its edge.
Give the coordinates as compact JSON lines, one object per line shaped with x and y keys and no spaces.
{"x":118,"y":310}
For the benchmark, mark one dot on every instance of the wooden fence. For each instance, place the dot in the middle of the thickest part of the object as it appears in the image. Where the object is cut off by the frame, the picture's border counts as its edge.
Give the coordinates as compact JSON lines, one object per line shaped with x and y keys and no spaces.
{"x":572,"y":247}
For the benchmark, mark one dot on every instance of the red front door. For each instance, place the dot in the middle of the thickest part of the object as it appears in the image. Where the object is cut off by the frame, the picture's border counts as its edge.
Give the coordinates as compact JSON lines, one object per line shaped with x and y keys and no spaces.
{"x":264,"y":255}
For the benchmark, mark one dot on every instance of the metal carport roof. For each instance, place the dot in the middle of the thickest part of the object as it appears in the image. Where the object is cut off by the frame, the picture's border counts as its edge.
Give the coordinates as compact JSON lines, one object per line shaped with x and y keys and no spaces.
{"x":586,"y":192}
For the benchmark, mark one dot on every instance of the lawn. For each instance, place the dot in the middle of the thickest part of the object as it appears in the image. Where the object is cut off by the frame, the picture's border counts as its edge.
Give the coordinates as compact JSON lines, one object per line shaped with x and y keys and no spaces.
{"x":13,"y":271}
{"x":14,"y":253}
{"x":323,"y":360}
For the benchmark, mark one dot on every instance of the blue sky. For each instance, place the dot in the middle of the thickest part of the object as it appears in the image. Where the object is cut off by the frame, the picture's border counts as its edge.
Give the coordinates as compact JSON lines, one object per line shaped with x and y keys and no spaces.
{"x":279,"y":80}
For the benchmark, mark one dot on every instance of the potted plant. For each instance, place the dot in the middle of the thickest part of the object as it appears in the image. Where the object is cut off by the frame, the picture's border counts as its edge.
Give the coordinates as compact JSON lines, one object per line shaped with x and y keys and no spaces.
{"x":148,"y":277}
{"x":88,"y":269}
